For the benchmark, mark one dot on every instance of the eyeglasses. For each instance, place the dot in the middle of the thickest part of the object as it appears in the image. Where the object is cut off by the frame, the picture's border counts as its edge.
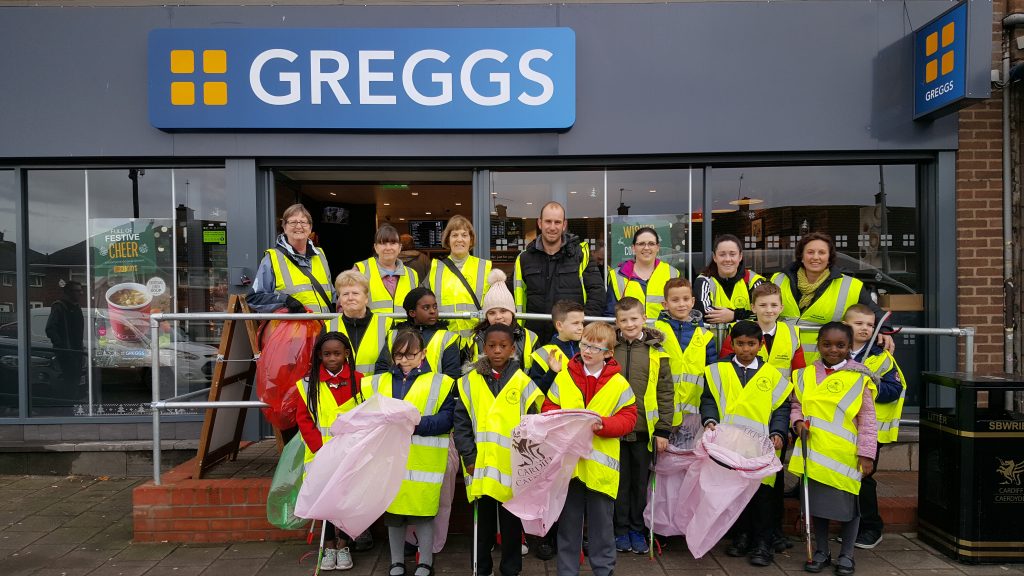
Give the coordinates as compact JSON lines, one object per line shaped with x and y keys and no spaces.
{"x":591,"y":348}
{"x":297,"y":223}
{"x":645,"y":244}
{"x":406,"y":355}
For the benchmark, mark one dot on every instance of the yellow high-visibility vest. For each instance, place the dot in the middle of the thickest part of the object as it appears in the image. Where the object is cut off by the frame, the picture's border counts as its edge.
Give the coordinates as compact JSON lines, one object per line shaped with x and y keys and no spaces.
{"x":543,"y":355}
{"x":493,"y":419}
{"x":888,"y":415}
{"x":654,"y":356}
{"x":452,"y":296}
{"x":784,"y":347}
{"x":381,"y":301}
{"x":327,"y":411}
{"x":420,"y":494}
{"x":829,"y":408}
{"x":687,"y":368}
{"x":600,"y":470}
{"x":373,"y":342}
{"x":739,"y":299}
{"x":519,"y":285}
{"x":654,"y":297}
{"x":751,"y":405}
{"x":290,"y":280}
{"x":529,"y":342}
{"x":439,"y":342}
{"x":842,"y":293}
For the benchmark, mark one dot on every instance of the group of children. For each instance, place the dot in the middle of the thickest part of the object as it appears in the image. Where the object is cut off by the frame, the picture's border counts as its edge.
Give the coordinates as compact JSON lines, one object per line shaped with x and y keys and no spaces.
{"x":641,"y":380}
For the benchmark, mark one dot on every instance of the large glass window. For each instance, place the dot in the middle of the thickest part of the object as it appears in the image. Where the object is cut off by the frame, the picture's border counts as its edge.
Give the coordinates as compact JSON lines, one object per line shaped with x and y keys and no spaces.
{"x":107,"y":248}
{"x":8,"y":296}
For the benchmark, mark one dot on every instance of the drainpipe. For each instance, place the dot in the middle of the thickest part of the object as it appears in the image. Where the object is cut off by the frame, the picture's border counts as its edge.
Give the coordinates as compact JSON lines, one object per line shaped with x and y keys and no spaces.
{"x":1009,"y":24}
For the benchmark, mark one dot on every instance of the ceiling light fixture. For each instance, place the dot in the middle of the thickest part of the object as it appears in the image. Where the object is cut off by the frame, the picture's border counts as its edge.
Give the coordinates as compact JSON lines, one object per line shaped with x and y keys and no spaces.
{"x":415,"y":193}
{"x":427,"y":213}
{"x":387,"y":203}
{"x":458,"y":203}
{"x":333,"y":194}
{"x":572,"y":191}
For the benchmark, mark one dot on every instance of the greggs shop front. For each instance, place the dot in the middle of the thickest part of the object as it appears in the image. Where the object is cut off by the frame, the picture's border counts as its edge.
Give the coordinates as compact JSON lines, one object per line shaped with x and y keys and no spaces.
{"x":148,"y":152}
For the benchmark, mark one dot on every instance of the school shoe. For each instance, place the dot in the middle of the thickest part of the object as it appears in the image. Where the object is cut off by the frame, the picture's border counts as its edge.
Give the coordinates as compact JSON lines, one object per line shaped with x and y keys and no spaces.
{"x":344,"y":560}
{"x":781,"y":543}
{"x":818,"y":562}
{"x":638,"y":543}
{"x":739,"y":547}
{"x":364,"y":542}
{"x":844,"y":566}
{"x":868,"y":539}
{"x":545,"y":551}
{"x":761,"y":555}
{"x":622,"y":543}
{"x":330,"y":559}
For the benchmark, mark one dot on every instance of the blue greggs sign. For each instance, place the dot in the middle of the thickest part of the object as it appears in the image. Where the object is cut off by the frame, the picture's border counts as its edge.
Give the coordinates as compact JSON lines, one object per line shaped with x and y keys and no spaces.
{"x":363,"y":79}
{"x":940,"y":63}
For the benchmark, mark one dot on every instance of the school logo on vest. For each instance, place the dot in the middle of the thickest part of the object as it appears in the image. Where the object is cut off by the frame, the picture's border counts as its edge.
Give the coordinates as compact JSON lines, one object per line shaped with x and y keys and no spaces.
{"x":763,"y":384}
{"x":833,"y":385}
{"x":512,"y":396}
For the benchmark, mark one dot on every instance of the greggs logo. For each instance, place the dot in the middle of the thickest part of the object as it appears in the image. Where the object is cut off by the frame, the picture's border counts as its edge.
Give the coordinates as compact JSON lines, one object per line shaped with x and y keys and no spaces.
{"x":466,"y":79}
{"x":940,"y":61}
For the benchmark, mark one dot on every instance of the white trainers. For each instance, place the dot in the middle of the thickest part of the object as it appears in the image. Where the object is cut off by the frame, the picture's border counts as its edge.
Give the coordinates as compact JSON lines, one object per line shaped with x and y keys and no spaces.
{"x":344,"y":561}
{"x":524,"y":550}
{"x":330,"y":560}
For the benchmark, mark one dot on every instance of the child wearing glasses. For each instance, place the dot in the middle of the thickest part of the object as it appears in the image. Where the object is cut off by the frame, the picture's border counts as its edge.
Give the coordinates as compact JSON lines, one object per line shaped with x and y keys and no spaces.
{"x":417,"y":502}
{"x":591,"y":380}
{"x":499,"y":307}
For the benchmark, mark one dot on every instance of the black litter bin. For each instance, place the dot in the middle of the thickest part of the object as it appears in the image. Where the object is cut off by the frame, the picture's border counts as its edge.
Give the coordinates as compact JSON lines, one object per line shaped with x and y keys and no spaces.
{"x":971,"y":480}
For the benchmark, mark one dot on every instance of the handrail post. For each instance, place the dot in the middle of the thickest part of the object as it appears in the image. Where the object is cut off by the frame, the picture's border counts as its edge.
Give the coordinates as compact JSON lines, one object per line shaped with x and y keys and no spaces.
{"x":969,"y":351}
{"x":154,"y":346}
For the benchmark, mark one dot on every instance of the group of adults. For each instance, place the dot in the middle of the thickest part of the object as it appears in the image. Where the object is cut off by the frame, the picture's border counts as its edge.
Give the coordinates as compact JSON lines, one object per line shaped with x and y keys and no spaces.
{"x":556,"y":266}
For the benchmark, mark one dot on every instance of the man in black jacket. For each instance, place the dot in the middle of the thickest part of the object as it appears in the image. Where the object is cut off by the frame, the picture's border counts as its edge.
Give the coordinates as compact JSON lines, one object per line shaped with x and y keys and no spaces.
{"x":556,"y":266}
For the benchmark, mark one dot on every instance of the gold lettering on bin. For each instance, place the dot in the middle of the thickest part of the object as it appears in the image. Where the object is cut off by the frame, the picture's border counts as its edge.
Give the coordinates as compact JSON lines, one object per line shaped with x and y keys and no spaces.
{"x":1006,"y":425}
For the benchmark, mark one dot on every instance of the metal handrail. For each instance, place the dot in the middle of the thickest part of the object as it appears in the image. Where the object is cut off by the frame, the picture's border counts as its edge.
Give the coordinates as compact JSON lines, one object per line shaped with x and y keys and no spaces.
{"x":176,"y":403}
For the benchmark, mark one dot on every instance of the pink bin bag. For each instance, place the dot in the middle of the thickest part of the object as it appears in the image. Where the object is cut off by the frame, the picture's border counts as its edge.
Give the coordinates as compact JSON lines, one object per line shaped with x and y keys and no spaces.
{"x":356,"y":475}
{"x":669,"y":474}
{"x":731,"y":461}
{"x":545,"y":450}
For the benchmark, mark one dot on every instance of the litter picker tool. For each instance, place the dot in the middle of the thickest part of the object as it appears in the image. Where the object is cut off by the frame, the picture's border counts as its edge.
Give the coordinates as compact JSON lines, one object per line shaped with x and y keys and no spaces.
{"x":476,"y":534}
{"x":806,"y":499}
{"x":320,"y":553}
{"x":654,"y":488}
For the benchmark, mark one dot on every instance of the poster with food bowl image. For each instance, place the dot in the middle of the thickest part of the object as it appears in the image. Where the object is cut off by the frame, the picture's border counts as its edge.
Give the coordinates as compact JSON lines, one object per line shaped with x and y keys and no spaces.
{"x":132,"y":265}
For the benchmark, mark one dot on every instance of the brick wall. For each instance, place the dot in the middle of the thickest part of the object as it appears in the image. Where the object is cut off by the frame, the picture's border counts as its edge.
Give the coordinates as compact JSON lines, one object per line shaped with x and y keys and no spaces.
{"x":979,"y":182}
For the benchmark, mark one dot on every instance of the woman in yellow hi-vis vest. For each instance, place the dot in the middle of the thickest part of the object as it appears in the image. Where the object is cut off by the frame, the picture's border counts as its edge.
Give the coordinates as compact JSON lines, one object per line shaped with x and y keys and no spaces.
{"x":366,"y":330}
{"x":747,"y":391}
{"x":591,"y":380}
{"x":294,"y":273}
{"x":390,"y":280}
{"x":331,"y":389}
{"x":723,"y":287}
{"x":834,"y":406}
{"x":815,"y":292}
{"x":459,"y":280}
{"x":417,"y":502}
{"x":643,"y":277}
{"x":492,"y":401}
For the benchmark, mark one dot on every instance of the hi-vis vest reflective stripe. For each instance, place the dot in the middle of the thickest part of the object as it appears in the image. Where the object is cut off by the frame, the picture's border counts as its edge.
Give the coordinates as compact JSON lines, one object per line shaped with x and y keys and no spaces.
{"x":654,"y":355}
{"x":381,"y":300}
{"x":888,"y":415}
{"x":740,"y":297}
{"x":439,"y":342}
{"x":525,"y":355}
{"x":493,"y":420}
{"x":751,"y":405}
{"x":654,"y":298}
{"x":290,"y":280}
{"x":327,"y":411}
{"x":543,"y":355}
{"x":519,"y":286}
{"x":842,"y":293}
{"x":452,"y":296}
{"x":829,"y":408}
{"x":370,"y":346}
{"x":784,"y":347}
{"x":600,"y":470}
{"x":420,"y":494}
{"x":687,"y":368}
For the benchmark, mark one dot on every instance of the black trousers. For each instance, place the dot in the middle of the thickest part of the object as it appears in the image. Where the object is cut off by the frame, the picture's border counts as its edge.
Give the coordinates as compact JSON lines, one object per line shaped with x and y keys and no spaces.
{"x":758,"y":519}
{"x":489,"y":515}
{"x":870,"y":518}
{"x":634,"y":473}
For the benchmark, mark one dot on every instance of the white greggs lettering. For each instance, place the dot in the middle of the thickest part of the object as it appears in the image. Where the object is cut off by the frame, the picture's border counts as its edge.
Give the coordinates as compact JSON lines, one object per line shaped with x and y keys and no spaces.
{"x":938,"y":91}
{"x":339,"y":69}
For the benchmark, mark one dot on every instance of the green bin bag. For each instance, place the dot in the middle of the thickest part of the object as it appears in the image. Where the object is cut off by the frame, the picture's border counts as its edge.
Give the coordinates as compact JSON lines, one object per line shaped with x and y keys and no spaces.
{"x":284,"y":488}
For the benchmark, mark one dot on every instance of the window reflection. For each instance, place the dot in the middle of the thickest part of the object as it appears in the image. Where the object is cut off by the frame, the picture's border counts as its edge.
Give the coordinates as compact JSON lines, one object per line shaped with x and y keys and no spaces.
{"x":8,"y":292}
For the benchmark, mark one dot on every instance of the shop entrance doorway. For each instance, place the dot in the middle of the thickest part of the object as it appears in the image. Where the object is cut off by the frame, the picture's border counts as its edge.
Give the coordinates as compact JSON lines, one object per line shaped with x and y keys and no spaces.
{"x":348,"y":206}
